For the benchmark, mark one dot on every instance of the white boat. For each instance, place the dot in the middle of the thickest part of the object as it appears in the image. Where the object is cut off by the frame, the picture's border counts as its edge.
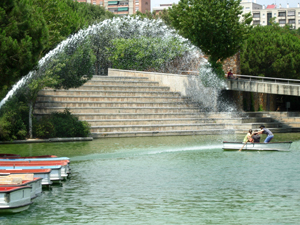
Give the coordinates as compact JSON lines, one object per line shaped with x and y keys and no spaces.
{"x":10,"y":159}
{"x":38,"y":173}
{"x":34,"y":183}
{"x":15,"y":199}
{"x":272,"y":146}
{"x":55,"y":173}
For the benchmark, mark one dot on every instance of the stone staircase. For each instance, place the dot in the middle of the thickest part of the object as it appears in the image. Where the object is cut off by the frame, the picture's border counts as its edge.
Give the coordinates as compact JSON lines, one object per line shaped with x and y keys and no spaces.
{"x":135,"y":106}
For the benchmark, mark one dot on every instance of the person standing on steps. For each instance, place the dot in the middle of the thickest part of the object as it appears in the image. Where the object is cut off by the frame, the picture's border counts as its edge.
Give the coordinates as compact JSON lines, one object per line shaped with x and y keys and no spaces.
{"x":266,"y":131}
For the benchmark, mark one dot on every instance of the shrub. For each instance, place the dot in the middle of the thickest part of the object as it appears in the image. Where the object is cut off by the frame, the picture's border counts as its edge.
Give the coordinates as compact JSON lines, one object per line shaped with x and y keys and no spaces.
{"x":13,"y":118}
{"x":61,"y":124}
{"x":44,"y":128}
{"x":12,"y":127}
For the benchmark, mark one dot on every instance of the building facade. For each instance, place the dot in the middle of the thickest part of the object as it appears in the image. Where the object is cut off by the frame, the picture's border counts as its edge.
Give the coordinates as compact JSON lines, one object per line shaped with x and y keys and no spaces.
{"x":262,"y":15}
{"x":123,"y":7}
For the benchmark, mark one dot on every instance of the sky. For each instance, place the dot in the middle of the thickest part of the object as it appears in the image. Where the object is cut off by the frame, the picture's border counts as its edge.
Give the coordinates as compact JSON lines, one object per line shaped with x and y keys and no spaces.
{"x":292,"y":3}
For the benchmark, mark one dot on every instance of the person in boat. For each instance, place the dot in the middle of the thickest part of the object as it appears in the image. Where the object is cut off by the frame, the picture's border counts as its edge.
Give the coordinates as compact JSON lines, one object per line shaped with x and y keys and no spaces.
{"x":256,"y":137}
{"x":248,"y":137}
{"x":266,"y":131}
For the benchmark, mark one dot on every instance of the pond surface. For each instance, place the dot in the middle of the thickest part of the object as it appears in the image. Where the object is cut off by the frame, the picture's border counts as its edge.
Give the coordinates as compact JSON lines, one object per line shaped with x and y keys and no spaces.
{"x":167,"y":180}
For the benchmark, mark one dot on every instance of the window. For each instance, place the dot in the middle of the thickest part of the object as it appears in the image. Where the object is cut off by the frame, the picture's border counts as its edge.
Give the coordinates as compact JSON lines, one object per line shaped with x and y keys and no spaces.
{"x":146,"y":3}
{"x":269,"y":17}
{"x":263,"y":22}
{"x":298,"y":13}
{"x":298,"y":21}
{"x":291,"y":13}
{"x":281,"y":21}
{"x":281,"y":14}
{"x":256,"y":15}
{"x":94,"y":3}
{"x":292,"y":21}
{"x":256,"y":22}
{"x":274,"y":14}
{"x":263,"y":15}
{"x":247,"y":7}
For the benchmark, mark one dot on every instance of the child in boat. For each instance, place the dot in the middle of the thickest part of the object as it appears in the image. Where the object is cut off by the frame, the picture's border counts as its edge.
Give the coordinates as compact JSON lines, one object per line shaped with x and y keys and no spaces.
{"x":248,"y":137}
{"x":256,"y":137}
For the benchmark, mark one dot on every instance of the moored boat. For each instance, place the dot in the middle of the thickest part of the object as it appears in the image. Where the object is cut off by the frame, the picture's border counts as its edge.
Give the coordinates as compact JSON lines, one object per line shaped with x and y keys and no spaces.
{"x":13,"y":159}
{"x":37,"y":173}
{"x":272,"y":146}
{"x":8,"y":155}
{"x":65,"y":170}
{"x":55,"y":174}
{"x":15,"y":199}
{"x":14,"y":156}
{"x":27,"y":180}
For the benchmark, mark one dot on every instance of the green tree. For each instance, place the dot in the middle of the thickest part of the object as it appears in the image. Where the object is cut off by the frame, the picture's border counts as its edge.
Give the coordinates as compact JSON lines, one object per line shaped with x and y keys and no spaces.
{"x":65,"y":17}
{"x":144,"y":53}
{"x":271,"y":51}
{"x":23,"y":35}
{"x":212,"y":25}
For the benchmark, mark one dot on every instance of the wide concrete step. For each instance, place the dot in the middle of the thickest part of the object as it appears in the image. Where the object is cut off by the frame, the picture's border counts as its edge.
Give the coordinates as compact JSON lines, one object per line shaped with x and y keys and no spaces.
{"x":155,"y":127}
{"x":145,"y":116}
{"x":149,"y":116}
{"x":121,"y":78}
{"x":116,"y":110}
{"x":255,"y":126}
{"x":257,"y":120}
{"x":113,"y":104}
{"x":161,"y":133}
{"x":293,"y":124}
{"x":110,"y":93}
{"x":128,"y":122}
{"x":290,"y":119}
{"x":274,"y":130}
{"x":122,"y":83}
{"x":53,"y":98}
{"x":120,"y":88}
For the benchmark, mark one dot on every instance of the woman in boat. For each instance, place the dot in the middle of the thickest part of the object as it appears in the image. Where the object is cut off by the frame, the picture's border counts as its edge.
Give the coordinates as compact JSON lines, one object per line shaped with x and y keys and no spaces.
{"x":266,"y":131}
{"x":248,"y":137}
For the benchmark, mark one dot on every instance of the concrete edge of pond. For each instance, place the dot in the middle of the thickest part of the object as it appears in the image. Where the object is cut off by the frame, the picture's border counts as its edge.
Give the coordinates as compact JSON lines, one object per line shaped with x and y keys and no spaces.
{"x":48,"y":140}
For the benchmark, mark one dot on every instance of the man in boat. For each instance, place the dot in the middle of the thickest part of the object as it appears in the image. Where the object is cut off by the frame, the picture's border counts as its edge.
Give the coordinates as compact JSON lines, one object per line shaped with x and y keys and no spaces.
{"x":256,"y":137}
{"x":266,"y":131}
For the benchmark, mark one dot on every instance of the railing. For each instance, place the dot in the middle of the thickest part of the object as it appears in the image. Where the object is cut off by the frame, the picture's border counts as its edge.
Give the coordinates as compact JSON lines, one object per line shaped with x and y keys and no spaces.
{"x":255,"y":78}
{"x":268,"y":79}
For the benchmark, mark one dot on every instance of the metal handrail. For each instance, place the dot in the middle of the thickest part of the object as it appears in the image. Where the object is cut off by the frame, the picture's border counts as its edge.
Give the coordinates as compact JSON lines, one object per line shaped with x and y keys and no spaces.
{"x":268,"y":78}
{"x":256,"y":77}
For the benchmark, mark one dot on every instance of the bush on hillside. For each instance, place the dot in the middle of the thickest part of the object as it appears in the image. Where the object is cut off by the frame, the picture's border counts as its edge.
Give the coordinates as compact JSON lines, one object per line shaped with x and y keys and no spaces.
{"x":61,"y":124}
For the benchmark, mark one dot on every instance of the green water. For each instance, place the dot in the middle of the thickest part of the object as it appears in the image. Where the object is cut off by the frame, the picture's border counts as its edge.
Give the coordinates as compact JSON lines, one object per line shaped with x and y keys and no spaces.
{"x":167,"y":180}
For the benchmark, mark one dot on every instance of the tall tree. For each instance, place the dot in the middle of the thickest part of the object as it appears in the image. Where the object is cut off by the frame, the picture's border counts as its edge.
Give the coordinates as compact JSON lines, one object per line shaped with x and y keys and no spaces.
{"x":271,"y":51}
{"x":23,"y":35}
{"x":212,"y":25}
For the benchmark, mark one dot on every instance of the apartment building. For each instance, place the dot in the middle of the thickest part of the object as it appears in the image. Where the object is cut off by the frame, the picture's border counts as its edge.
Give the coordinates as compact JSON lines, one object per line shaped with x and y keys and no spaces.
{"x":161,"y":7}
{"x":123,"y":7}
{"x":263,"y":14}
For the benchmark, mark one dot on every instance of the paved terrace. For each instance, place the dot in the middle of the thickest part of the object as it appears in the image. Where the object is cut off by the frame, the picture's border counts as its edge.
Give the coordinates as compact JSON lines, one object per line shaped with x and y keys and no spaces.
{"x":265,"y":85}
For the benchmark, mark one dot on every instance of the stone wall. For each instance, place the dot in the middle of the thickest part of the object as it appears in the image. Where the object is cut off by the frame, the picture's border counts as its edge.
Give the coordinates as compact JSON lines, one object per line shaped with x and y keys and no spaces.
{"x":233,"y":63}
